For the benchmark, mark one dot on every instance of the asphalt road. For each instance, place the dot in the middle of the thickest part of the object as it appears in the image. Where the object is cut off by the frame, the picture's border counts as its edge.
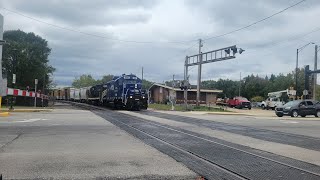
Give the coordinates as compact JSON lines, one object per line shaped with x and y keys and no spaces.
{"x":76,"y":144}
{"x":308,"y":126}
{"x":79,"y":144}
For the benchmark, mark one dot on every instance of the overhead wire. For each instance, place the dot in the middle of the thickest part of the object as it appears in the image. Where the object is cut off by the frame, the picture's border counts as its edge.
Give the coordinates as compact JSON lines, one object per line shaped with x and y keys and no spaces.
{"x":89,"y":34}
{"x":254,"y":23}
{"x":149,"y":42}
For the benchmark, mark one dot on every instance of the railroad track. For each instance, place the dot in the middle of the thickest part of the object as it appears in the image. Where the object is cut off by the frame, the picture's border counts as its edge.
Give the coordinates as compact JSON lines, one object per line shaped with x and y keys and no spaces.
{"x":205,"y":156}
{"x":263,"y":134}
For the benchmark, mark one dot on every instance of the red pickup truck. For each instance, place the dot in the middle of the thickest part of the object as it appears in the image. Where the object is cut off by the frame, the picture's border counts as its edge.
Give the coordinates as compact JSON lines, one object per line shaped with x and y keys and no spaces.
{"x":239,"y":102}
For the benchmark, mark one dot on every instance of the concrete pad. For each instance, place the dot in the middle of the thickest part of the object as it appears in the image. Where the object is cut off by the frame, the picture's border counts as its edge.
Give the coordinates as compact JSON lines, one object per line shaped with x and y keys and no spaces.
{"x":77,"y":144}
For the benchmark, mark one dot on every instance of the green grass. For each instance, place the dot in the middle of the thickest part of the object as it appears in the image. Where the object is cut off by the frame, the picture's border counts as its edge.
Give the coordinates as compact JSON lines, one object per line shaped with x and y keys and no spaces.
{"x":165,"y":107}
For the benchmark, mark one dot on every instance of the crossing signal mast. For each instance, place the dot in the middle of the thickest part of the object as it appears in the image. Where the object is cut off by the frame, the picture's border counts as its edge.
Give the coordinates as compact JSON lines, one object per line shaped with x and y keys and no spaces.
{"x":204,"y":58}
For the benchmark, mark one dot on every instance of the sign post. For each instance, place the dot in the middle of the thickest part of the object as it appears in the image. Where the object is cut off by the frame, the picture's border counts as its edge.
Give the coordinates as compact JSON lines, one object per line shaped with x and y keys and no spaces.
{"x":35,"y":91}
{"x":2,"y":93}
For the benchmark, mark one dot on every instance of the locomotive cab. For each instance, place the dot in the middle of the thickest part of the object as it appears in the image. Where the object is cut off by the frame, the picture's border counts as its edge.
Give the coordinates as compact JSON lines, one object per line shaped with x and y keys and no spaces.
{"x":132,"y":92}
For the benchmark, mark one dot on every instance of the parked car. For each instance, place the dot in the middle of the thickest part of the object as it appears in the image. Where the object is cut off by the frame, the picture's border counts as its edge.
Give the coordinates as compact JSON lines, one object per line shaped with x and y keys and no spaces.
{"x":297,"y":108}
{"x":239,"y":102}
{"x":271,"y":103}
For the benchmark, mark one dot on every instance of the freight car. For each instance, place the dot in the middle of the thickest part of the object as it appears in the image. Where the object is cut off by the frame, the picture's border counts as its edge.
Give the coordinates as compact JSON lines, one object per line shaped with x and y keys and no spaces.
{"x":84,"y":94}
{"x":94,"y":94}
{"x":122,"y":92}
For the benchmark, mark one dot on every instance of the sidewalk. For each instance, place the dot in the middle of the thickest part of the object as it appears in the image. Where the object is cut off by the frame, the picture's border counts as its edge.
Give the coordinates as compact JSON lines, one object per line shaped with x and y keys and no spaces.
{"x":25,"y":109}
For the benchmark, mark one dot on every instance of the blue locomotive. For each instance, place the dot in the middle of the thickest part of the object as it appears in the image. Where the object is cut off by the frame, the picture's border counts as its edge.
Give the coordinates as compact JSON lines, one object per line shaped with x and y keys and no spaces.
{"x":123,"y":92}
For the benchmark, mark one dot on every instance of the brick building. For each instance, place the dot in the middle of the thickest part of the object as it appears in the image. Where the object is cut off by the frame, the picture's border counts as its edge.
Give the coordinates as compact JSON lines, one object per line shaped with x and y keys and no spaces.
{"x":159,"y":93}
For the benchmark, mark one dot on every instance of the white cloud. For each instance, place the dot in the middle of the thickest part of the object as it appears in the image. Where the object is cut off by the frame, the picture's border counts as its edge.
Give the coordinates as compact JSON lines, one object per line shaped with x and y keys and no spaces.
{"x":161,"y":21}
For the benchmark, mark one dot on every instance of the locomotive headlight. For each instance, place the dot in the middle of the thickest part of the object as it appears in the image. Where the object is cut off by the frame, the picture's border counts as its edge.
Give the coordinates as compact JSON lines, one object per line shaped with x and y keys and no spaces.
{"x":143,"y":97}
{"x":130,"y":97}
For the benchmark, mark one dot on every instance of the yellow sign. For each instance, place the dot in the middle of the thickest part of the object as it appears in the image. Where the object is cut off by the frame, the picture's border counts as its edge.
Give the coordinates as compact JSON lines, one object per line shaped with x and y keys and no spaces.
{"x":0,"y":102}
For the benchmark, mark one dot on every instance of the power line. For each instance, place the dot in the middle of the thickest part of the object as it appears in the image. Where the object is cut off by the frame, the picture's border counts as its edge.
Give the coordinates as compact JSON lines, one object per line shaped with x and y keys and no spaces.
{"x":149,"y":42}
{"x":254,"y":23}
{"x":90,"y":34}
{"x":292,"y":38}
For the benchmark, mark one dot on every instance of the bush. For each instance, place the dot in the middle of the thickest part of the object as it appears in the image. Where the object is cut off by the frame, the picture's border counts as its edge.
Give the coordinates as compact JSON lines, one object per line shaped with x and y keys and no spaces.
{"x":257,"y":99}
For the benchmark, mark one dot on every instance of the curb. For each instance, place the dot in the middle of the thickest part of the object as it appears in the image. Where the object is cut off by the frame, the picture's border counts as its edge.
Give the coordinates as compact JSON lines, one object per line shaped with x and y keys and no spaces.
{"x":4,"y":114}
{"x":227,"y":113}
{"x":29,"y":110}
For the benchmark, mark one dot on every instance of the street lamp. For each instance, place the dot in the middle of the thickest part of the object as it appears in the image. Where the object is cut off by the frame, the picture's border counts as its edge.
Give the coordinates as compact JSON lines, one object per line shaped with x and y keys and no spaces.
{"x":296,"y":75}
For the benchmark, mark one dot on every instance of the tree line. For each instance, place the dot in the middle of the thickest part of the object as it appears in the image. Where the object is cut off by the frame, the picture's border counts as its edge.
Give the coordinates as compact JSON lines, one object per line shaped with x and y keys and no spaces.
{"x":86,"y":80}
{"x":253,"y":87}
{"x":256,"y":86}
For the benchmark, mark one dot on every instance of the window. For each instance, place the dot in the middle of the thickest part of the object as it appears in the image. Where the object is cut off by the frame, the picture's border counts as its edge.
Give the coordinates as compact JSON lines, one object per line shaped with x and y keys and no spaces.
{"x":309,"y":103}
{"x":120,"y":82}
{"x":302,"y":104}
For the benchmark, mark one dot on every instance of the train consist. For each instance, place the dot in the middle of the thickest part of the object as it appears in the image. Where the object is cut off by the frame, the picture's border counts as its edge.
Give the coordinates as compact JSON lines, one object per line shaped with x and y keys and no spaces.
{"x":122,"y":92}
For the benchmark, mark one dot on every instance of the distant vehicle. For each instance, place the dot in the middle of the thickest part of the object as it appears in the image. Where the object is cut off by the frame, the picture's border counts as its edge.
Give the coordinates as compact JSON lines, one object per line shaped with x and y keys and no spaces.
{"x":278,"y":98}
{"x":271,"y":103}
{"x":239,"y":102}
{"x":297,"y":108}
{"x":222,"y":102}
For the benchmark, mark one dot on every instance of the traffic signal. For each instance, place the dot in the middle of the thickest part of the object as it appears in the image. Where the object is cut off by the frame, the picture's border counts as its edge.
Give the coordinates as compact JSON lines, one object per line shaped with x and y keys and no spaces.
{"x":234,"y":50}
{"x":227,"y":51}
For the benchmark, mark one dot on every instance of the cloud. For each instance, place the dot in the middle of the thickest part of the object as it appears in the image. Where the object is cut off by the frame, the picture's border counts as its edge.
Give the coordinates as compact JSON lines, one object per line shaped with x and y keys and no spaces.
{"x":268,"y":49}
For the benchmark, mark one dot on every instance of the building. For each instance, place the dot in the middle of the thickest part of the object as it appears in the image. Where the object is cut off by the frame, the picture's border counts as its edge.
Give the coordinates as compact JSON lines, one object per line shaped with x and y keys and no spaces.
{"x":159,"y":93}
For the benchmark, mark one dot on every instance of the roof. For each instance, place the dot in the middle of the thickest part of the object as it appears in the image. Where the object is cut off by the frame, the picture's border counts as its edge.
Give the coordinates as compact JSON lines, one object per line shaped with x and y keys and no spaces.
{"x":192,"y":90}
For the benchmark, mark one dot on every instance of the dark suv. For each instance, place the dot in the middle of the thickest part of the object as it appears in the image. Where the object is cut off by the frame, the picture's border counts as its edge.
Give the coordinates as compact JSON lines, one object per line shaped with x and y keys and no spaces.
{"x":299,"y":107}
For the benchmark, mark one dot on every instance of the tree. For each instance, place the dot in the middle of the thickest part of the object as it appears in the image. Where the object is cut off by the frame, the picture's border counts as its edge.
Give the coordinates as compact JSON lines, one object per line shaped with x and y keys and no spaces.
{"x":146,"y":84}
{"x":84,"y":81}
{"x":26,"y":54}
{"x":257,"y":99}
{"x":105,"y":79}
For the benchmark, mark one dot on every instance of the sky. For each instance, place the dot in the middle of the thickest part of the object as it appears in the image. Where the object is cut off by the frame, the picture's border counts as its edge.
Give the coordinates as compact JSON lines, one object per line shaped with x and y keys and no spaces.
{"x":101,"y":37}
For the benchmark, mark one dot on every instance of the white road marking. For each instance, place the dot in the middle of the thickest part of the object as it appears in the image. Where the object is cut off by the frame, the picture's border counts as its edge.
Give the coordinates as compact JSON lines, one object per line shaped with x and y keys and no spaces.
{"x":26,"y":120}
{"x":288,"y":122}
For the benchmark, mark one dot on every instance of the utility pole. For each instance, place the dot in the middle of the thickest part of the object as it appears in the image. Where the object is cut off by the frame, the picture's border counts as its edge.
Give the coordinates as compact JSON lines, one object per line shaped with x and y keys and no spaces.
{"x":35,"y":91}
{"x":199,"y":73}
{"x":185,"y":95}
{"x":142,"y":74}
{"x":296,"y":74}
{"x":221,"y":54}
{"x":315,"y":75}
{"x":173,"y":84}
{"x":172,"y":94}
{"x":240,"y":85}
{"x":2,"y":89}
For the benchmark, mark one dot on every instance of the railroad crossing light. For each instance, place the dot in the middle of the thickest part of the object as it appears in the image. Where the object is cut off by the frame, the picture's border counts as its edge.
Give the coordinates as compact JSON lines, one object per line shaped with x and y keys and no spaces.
{"x":227,"y":51}
{"x":241,"y":50}
{"x":234,"y":50}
